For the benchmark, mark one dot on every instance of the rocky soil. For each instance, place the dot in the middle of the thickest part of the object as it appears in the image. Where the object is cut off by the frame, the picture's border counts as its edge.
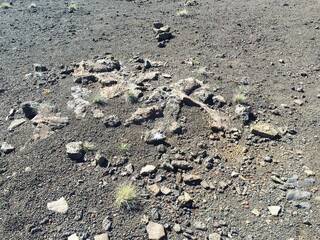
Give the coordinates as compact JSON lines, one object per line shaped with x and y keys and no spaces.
{"x":208,"y":109}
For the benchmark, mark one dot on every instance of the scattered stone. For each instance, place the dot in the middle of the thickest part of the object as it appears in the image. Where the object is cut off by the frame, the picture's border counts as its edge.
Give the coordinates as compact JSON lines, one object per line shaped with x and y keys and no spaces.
{"x":296,"y":195}
{"x":200,"y":226}
{"x":101,"y":160}
{"x":30,"y":109}
{"x":181,"y":164}
{"x":75,"y":151}
{"x":309,"y":172}
{"x":215,"y":236}
{"x":97,"y":113}
{"x":281,"y":61}
{"x":177,"y":228}
{"x":60,"y":206}
{"x":154,"y":136}
{"x":205,"y":185}
{"x":256,"y":212}
{"x":144,"y":114}
{"x":274,"y":210}
{"x":191,"y":179}
{"x":107,"y":223}
{"x":244,"y":113}
{"x":112,"y":121}
{"x":154,"y":189}
{"x":185,"y":200}
{"x":7,"y":148}
{"x":204,"y":95}
{"x":73,"y":237}
{"x":188,"y":85}
{"x":129,"y":168}
{"x":267,"y":158}
{"x":155,"y":231}
{"x":165,"y":190}
{"x":303,"y":205}
{"x":103,"y":236}
{"x":264,"y":130}
{"x":16,"y":123}
{"x":218,"y":101}
{"x":150,"y":76}
{"x":147,"y":170}
{"x":39,"y":68}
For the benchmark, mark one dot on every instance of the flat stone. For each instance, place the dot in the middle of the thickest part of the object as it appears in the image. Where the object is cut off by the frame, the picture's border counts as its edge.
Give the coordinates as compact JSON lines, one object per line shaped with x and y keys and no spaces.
{"x":75,"y":151}
{"x":177,"y":228}
{"x":154,"y":189}
{"x":181,"y":164}
{"x":97,"y":113}
{"x":155,"y":231}
{"x":274,"y":210}
{"x":7,"y":148}
{"x":264,"y":130}
{"x":215,"y":236}
{"x":256,"y":212}
{"x":165,"y":190}
{"x":59,"y":206}
{"x":192,"y":179}
{"x":303,"y":205}
{"x":16,"y":123}
{"x":103,"y":236}
{"x":185,"y":200}
{"x":150,"y":76}
{"x":73,"y":237}
{"x":148,"y":169}
{"x":144,"y":114}
{"x":154,"y":136}
{"x":200,"y":226}
{"x":296,"y":195}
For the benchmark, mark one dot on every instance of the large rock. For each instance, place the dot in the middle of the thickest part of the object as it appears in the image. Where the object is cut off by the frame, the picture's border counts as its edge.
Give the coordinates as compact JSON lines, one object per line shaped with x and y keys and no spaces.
{"x":75,"y":151}
{"x":264,"y":130}
{"x":154,"y":136}
{"x":112,"y":121}
{"x":155,"y":231}
{"x":144,"y":114}
{"x":60,"y":206}
{"x":148,"y":169}
{"x":187,"y":85}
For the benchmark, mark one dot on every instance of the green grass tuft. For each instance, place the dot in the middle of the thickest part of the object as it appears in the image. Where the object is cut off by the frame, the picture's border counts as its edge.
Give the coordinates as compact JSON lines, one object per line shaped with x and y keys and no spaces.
{"x":72,"y":6}
{"x":123,"y":147}
{"x":126,"y":197}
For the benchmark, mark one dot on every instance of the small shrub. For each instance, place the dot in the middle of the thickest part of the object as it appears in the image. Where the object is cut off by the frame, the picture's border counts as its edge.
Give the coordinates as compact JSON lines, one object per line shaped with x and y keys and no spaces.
{"x":123,"y":147}
{"x":130,"y":97}
{"x":126,"y":197}
{"x":183,"y":13}
{"x":5,"y":5}
{"x":88,"y":146}
{"x":240,"y":96}
{"x":195,"y":62}
{"x":72,"y":7}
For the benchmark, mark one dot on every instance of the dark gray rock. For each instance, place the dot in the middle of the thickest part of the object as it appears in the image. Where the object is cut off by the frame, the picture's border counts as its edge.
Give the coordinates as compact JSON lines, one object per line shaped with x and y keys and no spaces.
{"x":297,"y":195}
{"x":112,"y":121}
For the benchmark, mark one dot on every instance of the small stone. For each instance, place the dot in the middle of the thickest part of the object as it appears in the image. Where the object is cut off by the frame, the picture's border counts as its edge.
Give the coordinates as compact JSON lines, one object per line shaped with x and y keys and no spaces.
{"x":192,"y":179}
{"x":303,"y":205}
{"x":7,"y":148}
{"x":307,"y":171}
{"x":154,"y":137}
{"x":60,"y":206}
{"x":150,"y":76}
{"x":256,"y":212}
{"x":274,"y":210}
{"x":215,"y":236}
{"x":158,"y":25}
{"x":129,"y":168}
{"x":281,"y":61}
{"x":107,"y":223}
{"x":162,"y":36}
{"x":165,"y":190}
{"x":166,"y":75}
{"x":75,"y":151}
{"x":177,"y":228}
{"x":73,"y":237}
{"x":154,"y":189}
{"x":264,"y":130}
{"x":200,"y":226}
{"x":267,"y":158}
{"x":155,"y":231}
{"x":185,"y":200}
{"x":297,"y":195}
{"x":30,"y":109}
{"x":103,"y":236}
{"x":101,"y":160}
{"x":97,"y":113}
{"x":181,"y":164}
{"x":205,"y":185}
{"x":148,"y":169}
{"x":112,"y":121}
{"x":16,"y":123}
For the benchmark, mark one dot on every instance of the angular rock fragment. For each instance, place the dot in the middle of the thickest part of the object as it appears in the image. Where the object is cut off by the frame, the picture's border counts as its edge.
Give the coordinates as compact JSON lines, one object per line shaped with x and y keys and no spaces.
{"x":16,"y":123}
{"x":154,"y":136}
{"x":192,"y":179}
{"x":112,"y":121}
{"x":185,"y":200}
{"x":60,"y":206}
{"x":181,"y":164}
{"x":264,"y":130}
{"x":297,"y":195}
{"x":154,"y":189}
{"x":103,"y":236}
{"x":148,"y":169}
{"x":7,"y":148}
{"x":274,"y":210}
{"x":155,"y":231}
{"x":75,"y":151}
{"x":187,"y":85}
{"x":144,"y":114}
{"x":30,"y":109}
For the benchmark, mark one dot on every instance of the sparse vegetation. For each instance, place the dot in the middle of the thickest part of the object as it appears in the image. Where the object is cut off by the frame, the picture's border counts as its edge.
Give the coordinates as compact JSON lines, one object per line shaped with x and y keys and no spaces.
{"x":72,"y":6}
{"x":203,"y":71}
{"x":183,"y":13}
{"x":126,"y":197}
{"x":240,"y":96}
{"x":195,"y":62}
{"x":88,"y":146}
{"x":99,"y":100}
{"x":5,"y":5}
{"x":130,"y":97}
{"x":123,"y":147}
